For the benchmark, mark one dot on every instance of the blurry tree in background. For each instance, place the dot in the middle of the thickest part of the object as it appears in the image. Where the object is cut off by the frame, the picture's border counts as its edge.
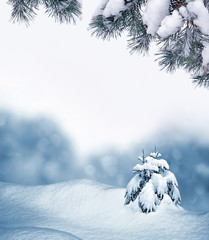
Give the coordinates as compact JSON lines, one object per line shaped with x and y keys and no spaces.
{"x":34,"y":151}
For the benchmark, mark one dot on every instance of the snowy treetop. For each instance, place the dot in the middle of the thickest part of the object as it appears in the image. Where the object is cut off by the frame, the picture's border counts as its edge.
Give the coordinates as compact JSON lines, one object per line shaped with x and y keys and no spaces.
{"x":155,"y":154}
{"x":157,"y":162}
{"x":151,"y":163}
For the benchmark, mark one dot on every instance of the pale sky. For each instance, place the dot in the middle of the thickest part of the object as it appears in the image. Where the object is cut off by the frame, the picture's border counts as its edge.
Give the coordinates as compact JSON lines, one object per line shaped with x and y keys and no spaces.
{"x":98,"y":93}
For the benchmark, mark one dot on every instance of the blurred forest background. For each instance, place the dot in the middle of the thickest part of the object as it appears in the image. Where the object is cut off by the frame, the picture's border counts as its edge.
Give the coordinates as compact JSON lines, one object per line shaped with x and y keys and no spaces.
{"x":37,"y":151}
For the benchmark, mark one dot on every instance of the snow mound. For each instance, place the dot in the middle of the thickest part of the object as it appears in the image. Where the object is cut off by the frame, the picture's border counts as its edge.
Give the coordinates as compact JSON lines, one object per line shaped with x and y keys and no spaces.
{"x":26,"y":233}
{"x":90,"y":210}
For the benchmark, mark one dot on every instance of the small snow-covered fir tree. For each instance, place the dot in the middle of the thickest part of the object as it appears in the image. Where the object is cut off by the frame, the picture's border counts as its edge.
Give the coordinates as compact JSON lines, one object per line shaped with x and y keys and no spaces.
{"x":151,"y":182}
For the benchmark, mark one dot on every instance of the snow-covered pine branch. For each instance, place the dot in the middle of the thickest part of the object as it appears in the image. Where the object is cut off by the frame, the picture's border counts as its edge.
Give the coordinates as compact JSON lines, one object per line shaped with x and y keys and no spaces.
{"x":179,"y":27}
{"x":151,"y":182}
{"x":61,"y":10}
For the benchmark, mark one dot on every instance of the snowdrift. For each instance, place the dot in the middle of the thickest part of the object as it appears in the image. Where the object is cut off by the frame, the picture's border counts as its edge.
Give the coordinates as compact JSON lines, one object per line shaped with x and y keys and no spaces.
{"x":88,"y":210}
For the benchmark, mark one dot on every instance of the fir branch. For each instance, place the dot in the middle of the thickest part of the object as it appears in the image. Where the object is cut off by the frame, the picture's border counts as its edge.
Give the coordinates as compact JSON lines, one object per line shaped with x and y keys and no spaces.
{"x":110,"y":27}
{"x":168,"y":60}
{"x":106,"y":28}
{"x":114,"y":25}
{"x":23,"y":10}
{"x":139,"y":41}
{"x":63,"y":10}
{"x":201,"y":80}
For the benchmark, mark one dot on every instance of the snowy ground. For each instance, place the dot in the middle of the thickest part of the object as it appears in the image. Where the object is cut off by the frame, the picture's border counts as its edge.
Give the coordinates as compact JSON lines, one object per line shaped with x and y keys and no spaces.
{"x":87,"y":210}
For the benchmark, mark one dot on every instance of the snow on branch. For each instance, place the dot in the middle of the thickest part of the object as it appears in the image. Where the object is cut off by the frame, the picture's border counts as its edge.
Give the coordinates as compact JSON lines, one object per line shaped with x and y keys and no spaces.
{"x":147,"y":166}
{"x":154,"y":13}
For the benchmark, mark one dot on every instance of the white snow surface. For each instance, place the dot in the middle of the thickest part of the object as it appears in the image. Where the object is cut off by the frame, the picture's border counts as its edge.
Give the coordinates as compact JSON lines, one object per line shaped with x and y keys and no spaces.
{"x":155,"y":12}
{"x":90,"y":210}
{"x":34,"y":233}
{"x":170,"y":24}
